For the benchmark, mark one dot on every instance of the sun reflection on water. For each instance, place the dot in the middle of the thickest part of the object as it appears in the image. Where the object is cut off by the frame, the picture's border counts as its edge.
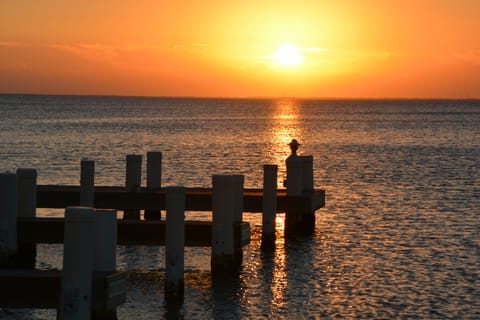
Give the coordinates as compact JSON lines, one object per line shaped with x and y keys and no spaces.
{"x":279,"y":277}
{"x":285,"y":126}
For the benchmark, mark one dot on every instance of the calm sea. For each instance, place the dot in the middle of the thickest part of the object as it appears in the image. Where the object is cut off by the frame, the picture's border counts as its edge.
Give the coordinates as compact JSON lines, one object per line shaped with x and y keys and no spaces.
{"x":399,"y":236}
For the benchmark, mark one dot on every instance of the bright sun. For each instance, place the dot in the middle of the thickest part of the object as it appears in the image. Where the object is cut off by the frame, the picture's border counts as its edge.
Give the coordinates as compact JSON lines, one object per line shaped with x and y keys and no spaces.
{"x":287,"y":55}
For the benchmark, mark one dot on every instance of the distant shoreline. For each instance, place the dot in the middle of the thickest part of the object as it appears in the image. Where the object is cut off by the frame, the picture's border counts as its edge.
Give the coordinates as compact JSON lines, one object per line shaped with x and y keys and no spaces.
{"x":241,"y":98}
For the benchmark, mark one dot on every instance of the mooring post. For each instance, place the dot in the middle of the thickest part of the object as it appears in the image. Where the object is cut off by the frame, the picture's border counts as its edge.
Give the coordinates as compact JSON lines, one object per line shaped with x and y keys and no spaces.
{"x":104,"y":259}
{"x":269,"y":205}
{"x":174,"y":244}
{"x":307,"y":174}
{"x":237,"y":190}
{"x":308,"y":217}
{"x":27,"y":207}
{"x":78,"y":253}
{"x":133,"y":181}
{"x":295,"y":215}
{"x":154,"y":180}
{"x":294,"y":171}
{"x":87,"y":182}
{"x":223,"y":208}
{"x":8,"y":218}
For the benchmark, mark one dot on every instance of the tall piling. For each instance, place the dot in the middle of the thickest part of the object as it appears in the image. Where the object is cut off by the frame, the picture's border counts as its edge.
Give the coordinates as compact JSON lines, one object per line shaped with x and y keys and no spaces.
{"x":133,"y":181}
{"x":223,"y":209}
{"x":27,"y":207}
{"x":8,"y":218}
{"x":78,"y":255}
{"x":299,"y":217}
{"x":87,"y":182}
{"x":174,"y":244}
{"x":269,"y":205}
{"x":104,"y":259}
{"x":154,"y":180}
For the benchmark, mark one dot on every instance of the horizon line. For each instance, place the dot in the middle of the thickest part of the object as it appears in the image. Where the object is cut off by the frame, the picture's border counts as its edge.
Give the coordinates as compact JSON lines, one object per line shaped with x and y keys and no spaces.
{"x":239,"y":97}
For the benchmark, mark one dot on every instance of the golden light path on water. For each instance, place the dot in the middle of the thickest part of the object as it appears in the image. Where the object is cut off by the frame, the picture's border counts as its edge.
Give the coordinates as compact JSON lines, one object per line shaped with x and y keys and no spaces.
{"x":285,"y":126}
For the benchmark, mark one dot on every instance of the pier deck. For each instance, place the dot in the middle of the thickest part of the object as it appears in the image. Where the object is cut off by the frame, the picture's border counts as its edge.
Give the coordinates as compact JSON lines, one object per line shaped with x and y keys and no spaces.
{"x":196,"y":199}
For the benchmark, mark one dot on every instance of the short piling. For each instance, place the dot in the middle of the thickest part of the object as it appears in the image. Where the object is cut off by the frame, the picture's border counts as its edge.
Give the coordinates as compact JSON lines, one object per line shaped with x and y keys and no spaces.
{"x":154,"y":180}
{"x":269,"y":204}
{"x":27,"y":207}
{"x":133,"y":181}
{"x":87,"y":182}
{"x":8,"y":218}
{"x":223,"y":208}
{"x":104,"y":260}
{"x":174,"y":244}
{"x":78,"y":254}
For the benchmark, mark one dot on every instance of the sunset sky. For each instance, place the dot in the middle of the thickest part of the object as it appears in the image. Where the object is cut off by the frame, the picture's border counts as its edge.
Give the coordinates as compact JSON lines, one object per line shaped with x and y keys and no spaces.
{"x":343,"y":49}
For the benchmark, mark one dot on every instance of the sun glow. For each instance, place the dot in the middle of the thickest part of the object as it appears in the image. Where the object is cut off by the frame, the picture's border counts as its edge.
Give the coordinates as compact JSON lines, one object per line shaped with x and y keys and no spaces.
{"x":287,"y":55}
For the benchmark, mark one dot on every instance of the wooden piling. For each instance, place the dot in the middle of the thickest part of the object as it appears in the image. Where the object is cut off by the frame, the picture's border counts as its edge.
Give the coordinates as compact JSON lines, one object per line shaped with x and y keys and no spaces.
{"x":237,"y":190}
{"x":8,"y":218}
{"x":104,"y":261}
{"x":294,"y":175}
{"x":154,"y":180}
{"x":105,"y":240}
{"x":237,"y":185}
{"x":27,"y":206}
{"x":174,"y":244}
{"x":87,"y":182}
{"x":299,"y":219}
{"x":78,"y":254}
{"x":269,"y":205}
{"x":307,"y":174}
{"x":223,"y":208}
{"x":133,"y":181}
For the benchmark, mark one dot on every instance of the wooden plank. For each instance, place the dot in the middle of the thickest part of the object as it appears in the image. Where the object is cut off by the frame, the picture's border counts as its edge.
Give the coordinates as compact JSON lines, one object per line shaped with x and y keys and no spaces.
{"x":25,"y":288}
{"x":130,"y":232}
{"x":196,"y":199}
{"x":29,"y":288}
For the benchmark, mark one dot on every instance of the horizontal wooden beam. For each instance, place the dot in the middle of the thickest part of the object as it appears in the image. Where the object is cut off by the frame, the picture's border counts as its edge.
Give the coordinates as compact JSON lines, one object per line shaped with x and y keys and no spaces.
{"x":129,"y":232}
{"x":196,"y":199}
{"x":25,"y":288}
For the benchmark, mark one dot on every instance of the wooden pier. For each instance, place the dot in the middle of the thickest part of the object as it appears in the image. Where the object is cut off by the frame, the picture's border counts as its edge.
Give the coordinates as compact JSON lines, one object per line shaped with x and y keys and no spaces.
{"x":196,"y":199}
{"x":21,"y":229}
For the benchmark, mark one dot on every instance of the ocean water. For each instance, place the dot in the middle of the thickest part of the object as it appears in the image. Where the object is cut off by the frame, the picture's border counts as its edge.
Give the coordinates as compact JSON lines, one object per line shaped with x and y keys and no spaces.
{"x":399,"y":236}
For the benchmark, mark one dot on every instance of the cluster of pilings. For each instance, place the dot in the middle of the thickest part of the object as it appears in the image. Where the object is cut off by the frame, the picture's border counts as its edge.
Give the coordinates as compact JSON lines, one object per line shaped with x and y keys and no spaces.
{"x":88,"y":258}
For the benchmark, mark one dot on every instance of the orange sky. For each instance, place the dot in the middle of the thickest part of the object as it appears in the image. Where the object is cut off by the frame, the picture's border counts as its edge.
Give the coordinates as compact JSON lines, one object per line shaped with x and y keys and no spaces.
{"x":350,"y":49}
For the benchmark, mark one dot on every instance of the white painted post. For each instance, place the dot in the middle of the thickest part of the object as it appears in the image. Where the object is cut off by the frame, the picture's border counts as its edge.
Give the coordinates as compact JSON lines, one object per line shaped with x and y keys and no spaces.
{"x":237,"y":183}
{"x":105,"y":240}
{"x":87,"y":182}
{"x":222,"y":225}
{"x":8,"y":217}
{"x":133,"y":182}
{"x":307,"y":172}
{"x":174,"y":243}
{"x":27,"y":192}
{"x":269,"y":204}
{"x":237,"y":189}
{"x":154,"y":180}
{"x":78,"y":253}
{"x":27,"y":207}
{"x":104,"y":259}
